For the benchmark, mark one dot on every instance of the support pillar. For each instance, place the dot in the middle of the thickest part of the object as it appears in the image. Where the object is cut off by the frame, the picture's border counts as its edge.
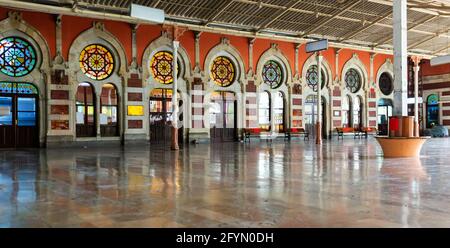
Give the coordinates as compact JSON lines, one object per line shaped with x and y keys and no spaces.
{"x":400,"y":58}
{"x":174,"y":145}
{"x":319,"y":100}
{"x":416,"y":61}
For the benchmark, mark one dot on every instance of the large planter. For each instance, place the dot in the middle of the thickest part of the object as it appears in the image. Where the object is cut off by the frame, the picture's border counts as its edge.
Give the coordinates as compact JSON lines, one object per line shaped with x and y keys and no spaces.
{"x":394,"y":147}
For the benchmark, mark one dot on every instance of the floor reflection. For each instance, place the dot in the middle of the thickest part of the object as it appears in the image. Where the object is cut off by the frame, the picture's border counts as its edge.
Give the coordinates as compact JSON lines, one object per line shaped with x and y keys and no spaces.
{"x":342,"y":184}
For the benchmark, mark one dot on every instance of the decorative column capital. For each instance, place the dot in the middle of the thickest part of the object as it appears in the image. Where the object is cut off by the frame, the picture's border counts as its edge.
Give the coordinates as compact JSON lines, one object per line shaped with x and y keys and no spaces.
{"x":416,"y":59}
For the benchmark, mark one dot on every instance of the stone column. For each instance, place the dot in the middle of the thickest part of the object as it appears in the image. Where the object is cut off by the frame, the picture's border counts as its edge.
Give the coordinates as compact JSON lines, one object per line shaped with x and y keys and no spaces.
{"x":197,"y":52}
{"x":175,"y":45}
{"x":319,"y":99}
{"x":251,"y":42}
{"x":97,"y":112}
{"x":416,"y":60}
{"x":296,"y":60}
{"x":400,"y":58}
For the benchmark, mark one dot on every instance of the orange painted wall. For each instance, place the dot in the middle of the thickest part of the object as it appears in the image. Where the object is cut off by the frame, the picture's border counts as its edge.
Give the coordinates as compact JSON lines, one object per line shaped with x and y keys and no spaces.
{"x":3,"y":13}
{"x":347,"y":54}
{"x":262,"y":45}
{"x":74,"y":26}
{"x":187,"y":40}
{"x":45,"y":24}
{"x":378,"y":61}
{"x":145,"y":34}
{"x":428,"y":70}
{"x":209,"y":40}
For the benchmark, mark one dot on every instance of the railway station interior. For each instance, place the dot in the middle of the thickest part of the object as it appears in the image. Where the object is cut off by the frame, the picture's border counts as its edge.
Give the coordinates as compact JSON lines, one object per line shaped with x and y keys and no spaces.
{"x":210,"y":117}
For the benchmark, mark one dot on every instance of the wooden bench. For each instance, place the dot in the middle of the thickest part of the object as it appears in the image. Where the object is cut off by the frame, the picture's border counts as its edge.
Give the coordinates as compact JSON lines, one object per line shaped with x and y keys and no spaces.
{"x":296,"y":132}
{"x":260,"y":133}
{"x":343,"y":130}
{"x":369,"y":130}
{"x":251,"y":132}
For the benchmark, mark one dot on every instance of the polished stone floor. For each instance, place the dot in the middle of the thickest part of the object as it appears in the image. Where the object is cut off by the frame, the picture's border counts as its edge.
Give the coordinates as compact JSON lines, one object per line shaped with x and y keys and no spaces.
{"x":343,"y":184}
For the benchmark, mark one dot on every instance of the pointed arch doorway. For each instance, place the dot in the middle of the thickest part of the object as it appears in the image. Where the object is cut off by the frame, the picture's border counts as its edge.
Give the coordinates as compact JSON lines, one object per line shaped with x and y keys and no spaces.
{"x":161,"y":117}
{"x":311,"y":115}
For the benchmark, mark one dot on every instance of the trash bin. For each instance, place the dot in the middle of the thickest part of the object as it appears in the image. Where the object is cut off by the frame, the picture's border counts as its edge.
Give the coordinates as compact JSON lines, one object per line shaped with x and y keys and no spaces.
{"x":407,"y":126}
{"x":394,"y":126}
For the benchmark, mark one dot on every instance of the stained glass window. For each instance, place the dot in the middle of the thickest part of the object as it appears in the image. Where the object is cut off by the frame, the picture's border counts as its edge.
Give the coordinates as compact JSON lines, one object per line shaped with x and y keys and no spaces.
{"x":433,"y":99}
{"x":312,"y":77}
{"x":161,"y":67}
{"x":353,"y":80}
{"x":432,"y":110}
{"x":385,"y":82}
{"x":17,"y":57}
{"x":17,"y":88}
{"x":223,"y":71}
{"x":272,"y":74}
{"x":96,"y":62}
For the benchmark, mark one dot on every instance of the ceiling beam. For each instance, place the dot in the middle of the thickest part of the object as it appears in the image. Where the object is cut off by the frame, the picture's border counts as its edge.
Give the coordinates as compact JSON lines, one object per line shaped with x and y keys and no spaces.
{"x":441,"y":50}
{"x":420,"y":42}
{"x":346,"y":7}
{"x":219,"y":10}
{"x":422,"y":21}
{"x":358,"y":31}
{"x":194,"y":27}
{"x":156,"y":3}
{"x":277,"y":15}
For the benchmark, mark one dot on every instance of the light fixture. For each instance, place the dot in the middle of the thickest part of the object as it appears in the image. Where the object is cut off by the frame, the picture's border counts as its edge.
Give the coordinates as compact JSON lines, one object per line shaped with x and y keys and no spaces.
{"x":147,"y":13}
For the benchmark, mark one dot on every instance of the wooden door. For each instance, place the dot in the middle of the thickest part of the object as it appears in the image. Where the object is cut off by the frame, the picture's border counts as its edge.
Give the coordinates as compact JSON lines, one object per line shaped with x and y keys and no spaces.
{"x":19,"y":117}
{"x":223,"y":119}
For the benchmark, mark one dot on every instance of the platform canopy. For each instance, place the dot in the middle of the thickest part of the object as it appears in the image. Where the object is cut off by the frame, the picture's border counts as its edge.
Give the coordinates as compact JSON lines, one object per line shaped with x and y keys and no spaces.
{"x":361,"y":24}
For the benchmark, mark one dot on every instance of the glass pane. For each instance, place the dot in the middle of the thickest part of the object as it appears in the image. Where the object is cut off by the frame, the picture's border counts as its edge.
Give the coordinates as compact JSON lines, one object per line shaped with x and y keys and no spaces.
{"x":26,"y":118}
{"x":108,"y":115}
{"x":80,"y":114}
{"x":169,"y":106}
{"x":85,"y":90}
{"x":26,"y":104}
{"x":91,"y":118}
{"x":155,"y":106}
{"x":89,"y":95}
{"x":229,"y":114}
{"x":216,"y":115}
{"x":278,"y":115}
{"x":264,"y":116}
{"x":5,"y":110}
{"x":345,"y":118}
{"x":109,"y":95}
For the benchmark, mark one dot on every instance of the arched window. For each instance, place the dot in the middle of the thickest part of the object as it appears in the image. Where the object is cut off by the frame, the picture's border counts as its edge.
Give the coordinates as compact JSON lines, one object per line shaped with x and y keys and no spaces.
{"x":109,"y":111}
{"x":312,"y":77}
{"x":353,"y":80}
{"x":272,"y":74}
{"x":278,"y":111}
{"x":96,"y":62}
{"x":161,"y":67}
{"x":85,"y":105}
{"x":347,"y":112}
{"x":223,"y":71}
{"x":264,"y":110}
{"x":385,"y":84}
{"x":17,"y":57}
{"x":432,"y":110}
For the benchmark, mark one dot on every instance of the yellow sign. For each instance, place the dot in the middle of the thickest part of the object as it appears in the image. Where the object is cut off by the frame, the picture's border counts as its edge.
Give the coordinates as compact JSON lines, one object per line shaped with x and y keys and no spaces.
{"x":135,"y":110}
